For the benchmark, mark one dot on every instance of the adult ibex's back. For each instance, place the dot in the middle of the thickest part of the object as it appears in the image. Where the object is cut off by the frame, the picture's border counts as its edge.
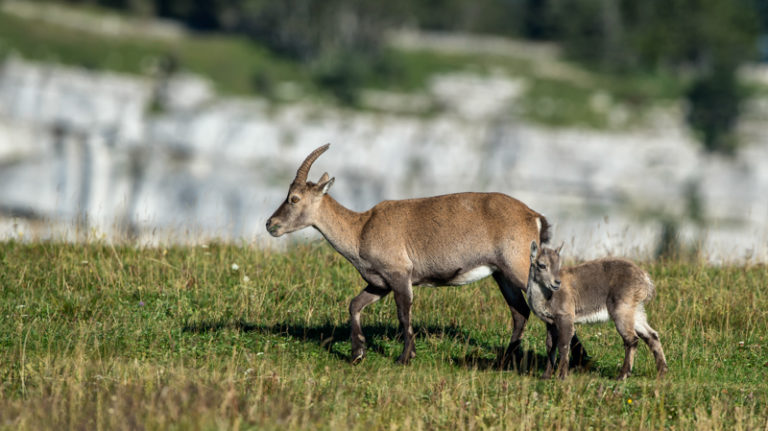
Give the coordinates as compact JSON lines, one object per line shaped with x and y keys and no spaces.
{"x":443,"y":240}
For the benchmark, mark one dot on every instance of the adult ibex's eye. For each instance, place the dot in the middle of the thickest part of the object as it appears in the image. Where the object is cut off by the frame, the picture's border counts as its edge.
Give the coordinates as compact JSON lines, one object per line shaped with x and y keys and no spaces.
{"x":295,"y":199}
{"x":541,"y":265}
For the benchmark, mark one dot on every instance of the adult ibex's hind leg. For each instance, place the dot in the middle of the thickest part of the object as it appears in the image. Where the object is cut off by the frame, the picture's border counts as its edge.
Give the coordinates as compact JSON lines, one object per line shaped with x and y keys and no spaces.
{"x":513,"y":294}
{"x":368,"y":296}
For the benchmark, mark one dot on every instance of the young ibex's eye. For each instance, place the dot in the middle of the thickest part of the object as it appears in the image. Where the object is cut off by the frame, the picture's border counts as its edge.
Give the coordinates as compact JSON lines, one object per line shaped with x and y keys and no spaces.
{"x":542,"y":265}
{"x":295,"y":199}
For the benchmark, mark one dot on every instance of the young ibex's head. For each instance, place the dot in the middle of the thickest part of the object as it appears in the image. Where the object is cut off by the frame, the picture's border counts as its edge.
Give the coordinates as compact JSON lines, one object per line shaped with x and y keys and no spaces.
{"x":545,"y":266}
{"x":304,"y":197}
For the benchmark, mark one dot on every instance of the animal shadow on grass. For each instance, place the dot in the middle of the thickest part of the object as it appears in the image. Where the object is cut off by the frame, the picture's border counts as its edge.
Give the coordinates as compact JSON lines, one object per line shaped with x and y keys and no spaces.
{"x":529,"y":362}
{"x":377,"y":335}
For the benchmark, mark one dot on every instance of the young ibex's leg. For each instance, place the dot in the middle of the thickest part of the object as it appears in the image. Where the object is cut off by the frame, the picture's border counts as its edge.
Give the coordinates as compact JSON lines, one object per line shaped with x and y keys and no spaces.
{"x":401,"y":286}
{"x":513,"y":294}
{"x":565,"y":333}
{"x":551,"y":350}
{"x":651,"y":338}
{"x":368,"y":296}
{"x":624,"y":317}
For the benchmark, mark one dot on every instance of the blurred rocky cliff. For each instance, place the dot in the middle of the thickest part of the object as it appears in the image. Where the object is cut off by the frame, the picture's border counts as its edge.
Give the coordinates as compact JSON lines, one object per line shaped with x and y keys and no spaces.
{"x":118,"y":156}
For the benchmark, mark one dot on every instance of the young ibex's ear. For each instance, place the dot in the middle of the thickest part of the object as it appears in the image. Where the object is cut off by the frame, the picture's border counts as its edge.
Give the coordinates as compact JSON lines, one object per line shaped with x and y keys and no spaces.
{"x":534,"y":250}
{"x":325,"y":183}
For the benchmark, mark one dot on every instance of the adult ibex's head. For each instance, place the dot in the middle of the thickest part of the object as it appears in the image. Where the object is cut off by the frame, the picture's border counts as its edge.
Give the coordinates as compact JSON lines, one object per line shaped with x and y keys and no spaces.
{"x":304,"y":197}
{"x":545,"y":266}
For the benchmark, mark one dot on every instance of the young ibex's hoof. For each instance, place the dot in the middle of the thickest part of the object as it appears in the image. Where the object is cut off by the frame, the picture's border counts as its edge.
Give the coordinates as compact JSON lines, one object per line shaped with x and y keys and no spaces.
{"x":622,"y":376}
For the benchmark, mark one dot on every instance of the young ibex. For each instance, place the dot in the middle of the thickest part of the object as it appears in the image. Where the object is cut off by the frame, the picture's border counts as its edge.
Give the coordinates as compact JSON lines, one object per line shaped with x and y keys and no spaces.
{"x":594,"y":291}
{"x":444,"y":240}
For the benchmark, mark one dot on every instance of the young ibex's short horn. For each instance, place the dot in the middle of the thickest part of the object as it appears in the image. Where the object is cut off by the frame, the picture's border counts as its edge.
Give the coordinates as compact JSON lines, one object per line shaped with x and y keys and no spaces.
{"x":303,"y":171}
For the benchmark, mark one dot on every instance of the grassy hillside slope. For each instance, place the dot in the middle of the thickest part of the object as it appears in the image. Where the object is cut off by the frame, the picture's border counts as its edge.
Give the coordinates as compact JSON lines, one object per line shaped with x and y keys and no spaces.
{"x":557,"y":93}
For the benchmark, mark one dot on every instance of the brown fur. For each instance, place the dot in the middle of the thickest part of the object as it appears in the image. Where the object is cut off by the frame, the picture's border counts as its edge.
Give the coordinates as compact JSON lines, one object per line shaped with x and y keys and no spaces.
{"x":593,"y":291}
{"x":449,"y":239}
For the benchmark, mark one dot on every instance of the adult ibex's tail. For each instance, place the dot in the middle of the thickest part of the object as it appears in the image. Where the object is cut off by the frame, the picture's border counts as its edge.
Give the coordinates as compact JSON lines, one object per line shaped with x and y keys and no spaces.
{"x":544,"y":233}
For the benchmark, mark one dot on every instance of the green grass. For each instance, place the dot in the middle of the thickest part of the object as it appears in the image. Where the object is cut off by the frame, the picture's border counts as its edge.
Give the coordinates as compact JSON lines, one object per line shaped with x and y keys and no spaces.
{"x":235,"y":65}
{"x":95,"y":337}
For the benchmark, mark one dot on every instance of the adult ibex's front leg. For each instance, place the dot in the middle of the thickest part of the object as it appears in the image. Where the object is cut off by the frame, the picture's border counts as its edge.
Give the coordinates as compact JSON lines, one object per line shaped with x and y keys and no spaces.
{"x":368,"y":296}
{"x":403,"y":290}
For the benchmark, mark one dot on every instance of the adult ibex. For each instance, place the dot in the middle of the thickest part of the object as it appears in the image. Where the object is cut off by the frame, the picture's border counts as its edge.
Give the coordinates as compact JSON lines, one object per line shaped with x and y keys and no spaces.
{"x":594,"y":291}
{"x":443,"y":240}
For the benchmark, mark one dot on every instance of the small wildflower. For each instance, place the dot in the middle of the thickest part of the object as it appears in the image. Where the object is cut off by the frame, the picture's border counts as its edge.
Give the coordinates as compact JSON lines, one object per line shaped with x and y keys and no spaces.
{"x":629,"y":401}
{"x":235,"y":267}
{"x":259,"y":353}
{"x":165,"y":252}
{"x":741,"y":344}
{"x":141,"y":303}
{"x":204,"y":246}
{"x":246,"y":278}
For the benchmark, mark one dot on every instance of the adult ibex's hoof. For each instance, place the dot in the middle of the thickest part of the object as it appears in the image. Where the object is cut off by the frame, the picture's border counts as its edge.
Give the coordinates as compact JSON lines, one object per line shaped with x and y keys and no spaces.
{"x":406,"y":357}
{"x":357,"y":357}
{"x":662,"y":371}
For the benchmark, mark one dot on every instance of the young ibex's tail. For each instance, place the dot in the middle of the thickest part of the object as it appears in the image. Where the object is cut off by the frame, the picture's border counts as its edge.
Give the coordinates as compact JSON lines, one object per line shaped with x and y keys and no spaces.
{"x":544,"y":227}
{"x":651,"y":288}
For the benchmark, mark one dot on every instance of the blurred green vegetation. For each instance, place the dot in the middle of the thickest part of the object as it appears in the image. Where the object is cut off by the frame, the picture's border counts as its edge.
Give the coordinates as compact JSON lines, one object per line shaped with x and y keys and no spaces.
{"x":338,"y":47}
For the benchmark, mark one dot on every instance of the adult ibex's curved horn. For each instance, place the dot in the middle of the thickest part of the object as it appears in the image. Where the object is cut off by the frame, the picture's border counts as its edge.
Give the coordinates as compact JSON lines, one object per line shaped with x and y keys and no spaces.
{"x":301,"y":174}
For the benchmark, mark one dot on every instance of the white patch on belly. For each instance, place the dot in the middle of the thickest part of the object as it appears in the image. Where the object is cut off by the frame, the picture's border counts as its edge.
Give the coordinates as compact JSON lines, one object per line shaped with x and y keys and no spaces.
{"x":473,"y":274}
{"x":594,"y":317}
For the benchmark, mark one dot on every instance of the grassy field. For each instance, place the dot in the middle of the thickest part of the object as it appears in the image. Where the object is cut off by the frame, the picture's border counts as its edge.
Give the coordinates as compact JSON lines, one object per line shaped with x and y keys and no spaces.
{"x":234,"y":337}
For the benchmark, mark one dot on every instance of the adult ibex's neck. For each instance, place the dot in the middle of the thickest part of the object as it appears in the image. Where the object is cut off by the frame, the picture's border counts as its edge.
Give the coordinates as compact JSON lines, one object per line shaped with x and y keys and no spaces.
{"x":340,"y":226}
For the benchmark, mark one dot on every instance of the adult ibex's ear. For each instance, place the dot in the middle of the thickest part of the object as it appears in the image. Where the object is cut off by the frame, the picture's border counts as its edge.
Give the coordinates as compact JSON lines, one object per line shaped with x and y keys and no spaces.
{"x":325,"y":183}
{"x":534,"y":250}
